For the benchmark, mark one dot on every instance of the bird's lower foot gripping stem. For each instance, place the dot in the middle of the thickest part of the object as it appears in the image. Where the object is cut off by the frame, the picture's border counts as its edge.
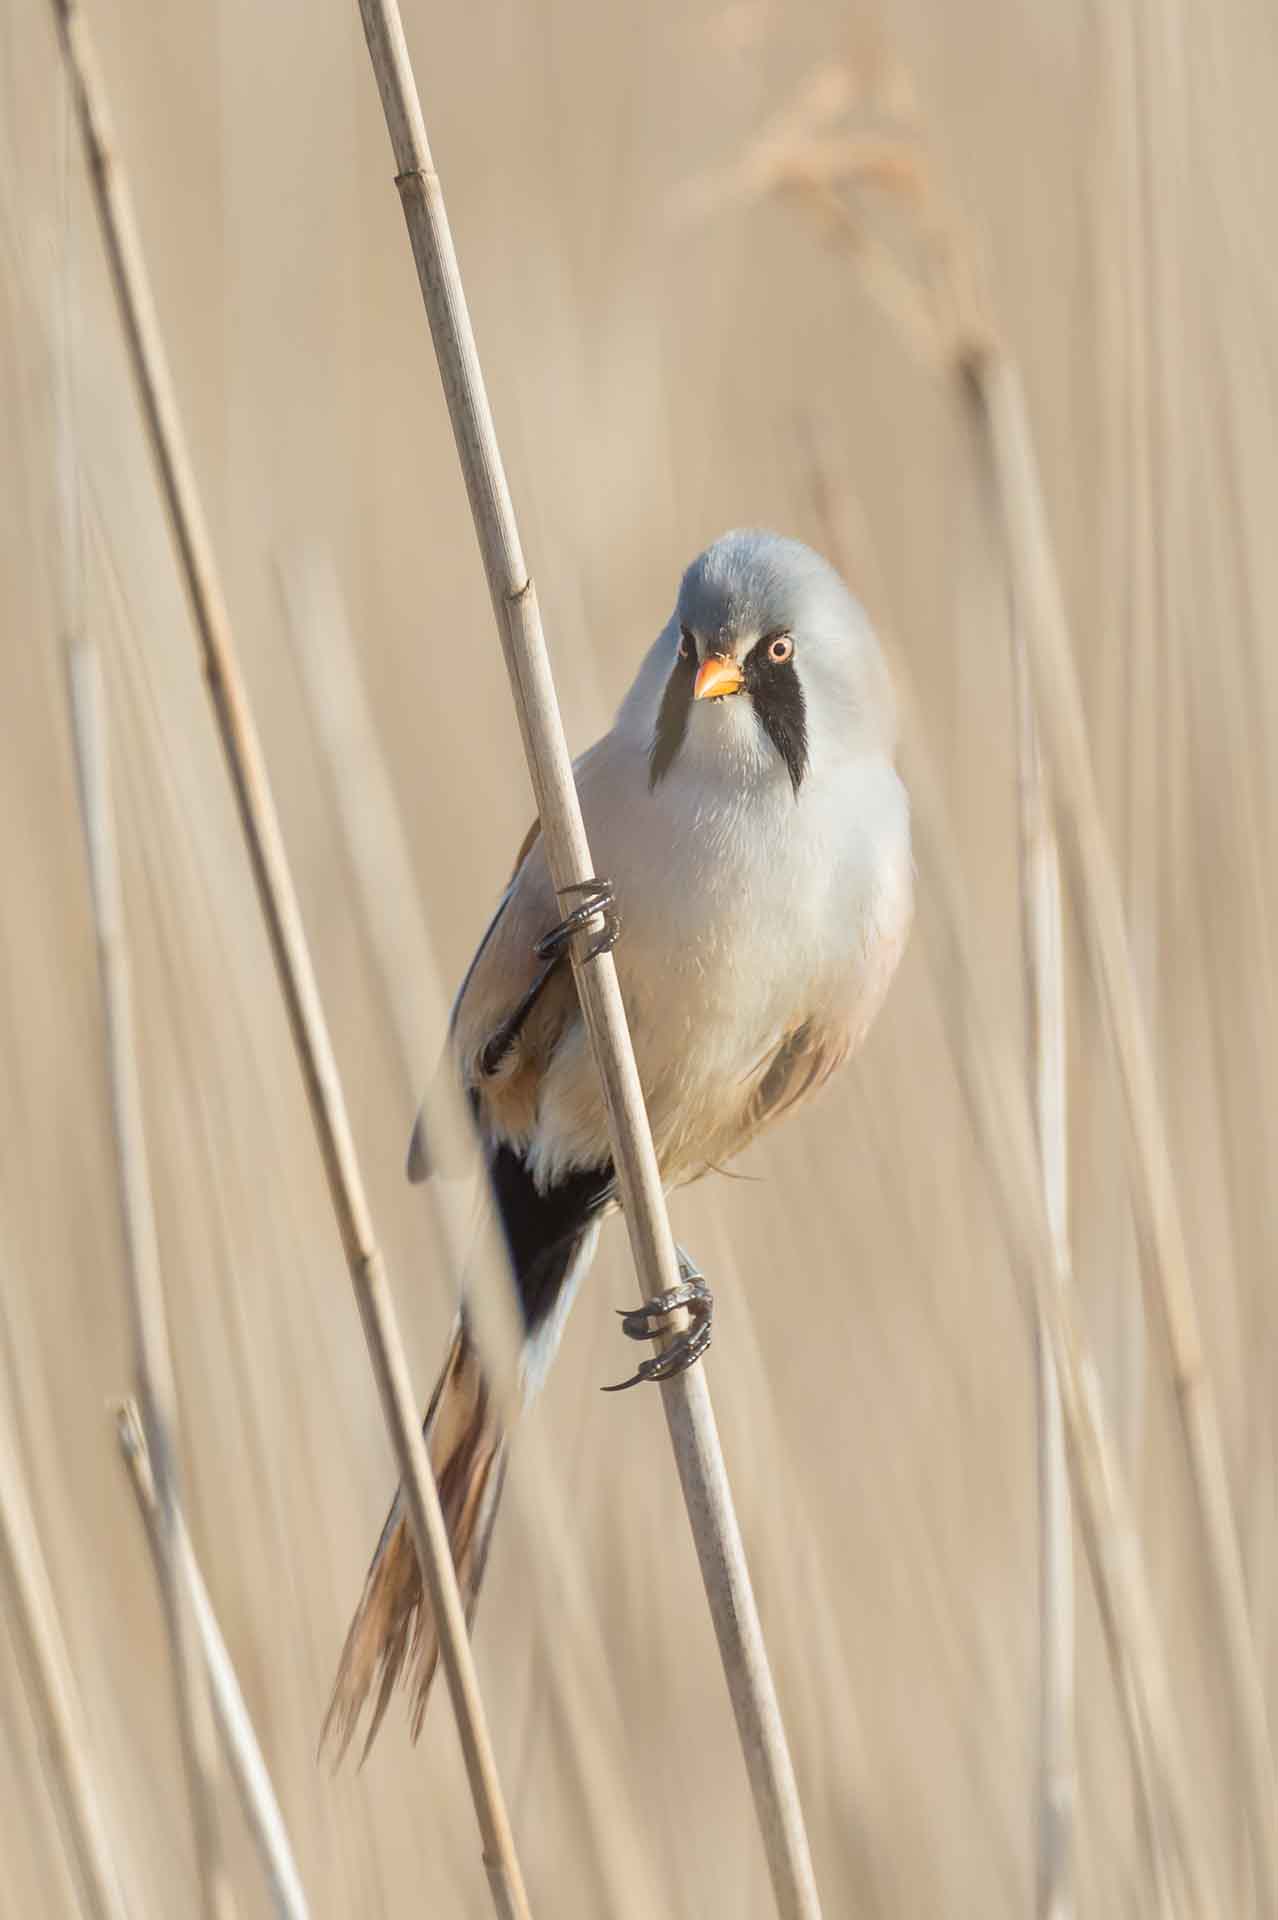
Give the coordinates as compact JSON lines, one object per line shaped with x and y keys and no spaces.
{"x":597,"y":901}
{"x":642,"y":1323}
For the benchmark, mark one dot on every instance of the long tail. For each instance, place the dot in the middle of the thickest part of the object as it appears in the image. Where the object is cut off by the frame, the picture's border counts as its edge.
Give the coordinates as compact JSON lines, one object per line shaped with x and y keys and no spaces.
{"x":394,"y":1622}
{"x":551,"y":1237}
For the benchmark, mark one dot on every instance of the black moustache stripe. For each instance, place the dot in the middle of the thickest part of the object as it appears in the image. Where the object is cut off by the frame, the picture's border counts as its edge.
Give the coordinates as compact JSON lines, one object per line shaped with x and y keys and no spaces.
{"x":774,"y":689}
{"x":779,"y":708}
{"x":672,"y":721}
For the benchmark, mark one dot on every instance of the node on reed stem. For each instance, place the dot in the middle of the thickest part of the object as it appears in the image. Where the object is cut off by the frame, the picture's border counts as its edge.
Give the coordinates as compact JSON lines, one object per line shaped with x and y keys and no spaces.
{"x":153,"y":1361}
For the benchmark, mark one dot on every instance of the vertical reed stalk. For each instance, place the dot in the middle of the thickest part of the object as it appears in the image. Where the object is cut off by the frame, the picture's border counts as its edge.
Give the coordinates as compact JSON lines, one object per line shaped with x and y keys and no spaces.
{"x":1045,"y":1005}
{"x":1004,"y":1129}
{"x":278,"y":900}
{"x":153,"y":1362}
{"x":1005,"y":1132}
{"x":686,"y":1398}
{"x":1155,"y":1201}
{"x":239,"y":1741}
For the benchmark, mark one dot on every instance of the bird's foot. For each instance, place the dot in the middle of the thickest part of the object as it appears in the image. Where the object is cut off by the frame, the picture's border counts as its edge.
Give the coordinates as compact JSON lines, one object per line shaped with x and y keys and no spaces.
{"x":597,"y":899}
{"x":645,"y":1322}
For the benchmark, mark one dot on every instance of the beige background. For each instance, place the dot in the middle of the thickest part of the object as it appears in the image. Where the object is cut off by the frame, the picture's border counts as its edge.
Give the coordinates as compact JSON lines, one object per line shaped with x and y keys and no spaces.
{"x":656,"y":376}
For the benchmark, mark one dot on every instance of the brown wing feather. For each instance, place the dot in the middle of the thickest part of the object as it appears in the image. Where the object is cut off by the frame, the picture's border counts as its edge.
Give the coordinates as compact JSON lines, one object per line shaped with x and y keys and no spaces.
{"x":526,"y":846}
{"x":803,"y":1062}
{"x":502,"y":972}
{"x":709,"y":1136}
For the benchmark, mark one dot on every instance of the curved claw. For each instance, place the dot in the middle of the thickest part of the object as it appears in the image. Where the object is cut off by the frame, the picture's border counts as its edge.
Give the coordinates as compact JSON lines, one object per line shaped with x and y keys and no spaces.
{"x":686,"y":1348}
{"x":597,"y":902}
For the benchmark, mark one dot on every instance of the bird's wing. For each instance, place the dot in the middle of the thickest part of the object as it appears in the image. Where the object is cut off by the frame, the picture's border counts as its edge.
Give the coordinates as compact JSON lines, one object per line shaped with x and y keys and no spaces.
{"x":529,"y":841}
{"x":501,"y":972}
{"x":501,"y":969}
{"x":804,"y":1061}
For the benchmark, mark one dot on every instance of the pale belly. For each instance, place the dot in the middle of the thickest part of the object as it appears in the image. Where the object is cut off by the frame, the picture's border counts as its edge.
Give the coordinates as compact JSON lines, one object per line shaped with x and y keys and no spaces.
{"x":734,"y":932}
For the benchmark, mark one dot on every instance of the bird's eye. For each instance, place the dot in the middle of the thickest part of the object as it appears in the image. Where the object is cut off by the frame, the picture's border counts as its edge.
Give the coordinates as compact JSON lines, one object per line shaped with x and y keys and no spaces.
{"x":780,"y":649}
{"x":685,"y":644}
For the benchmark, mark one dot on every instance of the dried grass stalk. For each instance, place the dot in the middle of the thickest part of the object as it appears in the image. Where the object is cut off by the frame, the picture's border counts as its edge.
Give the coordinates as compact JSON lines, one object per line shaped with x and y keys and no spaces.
{"x":1004,"y":1130}
{"x":239,"y":1741}
{"x":1045,"y":1002}
{"x":1155,"y":1200}
{"x":153,"y":1363}
{"x":1003,"y":1127}
{"x":686,"y":1398}
{"x":292,"y":957}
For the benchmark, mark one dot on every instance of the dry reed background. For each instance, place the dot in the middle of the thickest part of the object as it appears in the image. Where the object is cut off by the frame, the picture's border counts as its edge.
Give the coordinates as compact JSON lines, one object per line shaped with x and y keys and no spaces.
{"x":662,"y":361}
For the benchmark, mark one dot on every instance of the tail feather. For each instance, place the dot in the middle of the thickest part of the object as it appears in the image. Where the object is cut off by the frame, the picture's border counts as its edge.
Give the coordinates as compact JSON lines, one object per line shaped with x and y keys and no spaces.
{"x":550,"y":1235}
{"x":394,"y":1623}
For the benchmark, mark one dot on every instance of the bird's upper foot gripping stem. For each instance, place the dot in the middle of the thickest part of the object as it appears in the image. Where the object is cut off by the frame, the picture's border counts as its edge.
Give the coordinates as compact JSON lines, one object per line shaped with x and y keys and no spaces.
{"x":598,"y":897}
{"x":642,"y":1323}
{"x":597,"y":902}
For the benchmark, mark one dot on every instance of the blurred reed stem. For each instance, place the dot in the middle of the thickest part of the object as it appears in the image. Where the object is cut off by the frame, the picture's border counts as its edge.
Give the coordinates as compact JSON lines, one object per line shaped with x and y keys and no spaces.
{"x":1165,"y":1259}
{"x":1044,"y":968}
{"x":153,"y":1365}
{"x":29,"y":1603}
{"x":153,"y":1362}
{"x":953,"y":317}
{"x":278,"y":900}
{"x":31,"y":1612}
{"x":686,"y":1397}
{"x":1004,"y":1128}
{"x":239,"y":1741}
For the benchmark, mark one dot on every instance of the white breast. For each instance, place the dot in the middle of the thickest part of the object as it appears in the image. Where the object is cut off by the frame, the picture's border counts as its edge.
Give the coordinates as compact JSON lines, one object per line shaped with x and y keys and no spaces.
{"x":744,"y":912}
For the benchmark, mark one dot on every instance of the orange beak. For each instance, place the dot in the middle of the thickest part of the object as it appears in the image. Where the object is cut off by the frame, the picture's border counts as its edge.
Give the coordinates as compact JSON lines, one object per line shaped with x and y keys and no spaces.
{"x":716,"y":679}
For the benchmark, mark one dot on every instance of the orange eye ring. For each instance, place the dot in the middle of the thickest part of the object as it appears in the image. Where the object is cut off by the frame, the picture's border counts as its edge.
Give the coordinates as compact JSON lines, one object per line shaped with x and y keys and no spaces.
{"x":780,"y":649}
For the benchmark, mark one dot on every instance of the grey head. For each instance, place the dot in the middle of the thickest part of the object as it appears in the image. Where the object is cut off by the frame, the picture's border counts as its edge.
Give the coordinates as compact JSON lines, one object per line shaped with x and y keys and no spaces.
{"x":767,"y":670}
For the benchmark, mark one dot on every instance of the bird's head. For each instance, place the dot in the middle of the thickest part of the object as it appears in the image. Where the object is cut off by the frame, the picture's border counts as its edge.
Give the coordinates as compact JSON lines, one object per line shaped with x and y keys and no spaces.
{"x":767,"y":670}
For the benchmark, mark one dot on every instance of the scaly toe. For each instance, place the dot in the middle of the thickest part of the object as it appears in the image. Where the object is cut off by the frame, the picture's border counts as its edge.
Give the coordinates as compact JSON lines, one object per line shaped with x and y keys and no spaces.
{"x":644,"y":1323}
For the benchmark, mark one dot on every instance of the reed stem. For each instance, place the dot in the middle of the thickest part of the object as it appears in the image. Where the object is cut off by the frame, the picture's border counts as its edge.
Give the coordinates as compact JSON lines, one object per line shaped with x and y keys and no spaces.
{"x":686,"y":1398}
{"x":1044,"y":968}
{"x":1164,"y":1254}
{"x":239,"y":1741}
{"x":247,"y":769}
{"x":153,"y":1360}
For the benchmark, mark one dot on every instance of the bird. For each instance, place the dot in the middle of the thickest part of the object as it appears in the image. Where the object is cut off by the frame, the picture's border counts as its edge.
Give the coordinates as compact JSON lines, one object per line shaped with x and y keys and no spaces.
{"x":748,"y":813}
